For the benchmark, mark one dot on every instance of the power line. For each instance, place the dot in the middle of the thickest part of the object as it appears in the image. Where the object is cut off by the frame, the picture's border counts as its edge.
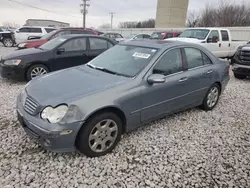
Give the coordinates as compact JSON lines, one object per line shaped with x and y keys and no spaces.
{"x":112,"y":16}
{"x":46,"y":10}
{"x":84,"y":11}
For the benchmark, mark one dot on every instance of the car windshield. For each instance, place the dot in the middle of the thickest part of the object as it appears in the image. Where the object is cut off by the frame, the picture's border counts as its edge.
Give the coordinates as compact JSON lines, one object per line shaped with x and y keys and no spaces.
{"x":48,"y":35}
{"x":53,"y":43}
{"x":130,"y":36}
{"x":200,"y":34}
{"x":123,"y":60}
{"x":158,"y":35}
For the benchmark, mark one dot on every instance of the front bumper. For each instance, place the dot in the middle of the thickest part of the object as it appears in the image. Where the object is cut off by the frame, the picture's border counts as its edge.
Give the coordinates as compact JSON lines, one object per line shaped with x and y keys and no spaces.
{"x":241,"y":69}
{"x":12,"y":72}
{"x":52,"y":137}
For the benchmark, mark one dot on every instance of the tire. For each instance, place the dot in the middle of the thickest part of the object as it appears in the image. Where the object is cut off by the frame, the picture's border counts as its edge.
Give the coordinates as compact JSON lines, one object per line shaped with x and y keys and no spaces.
{"x":239,"y":76}
{"x":36,"y":68}
{"x":212,"y":97}
{"x":8,"y":42}
{"x":90,"y":136}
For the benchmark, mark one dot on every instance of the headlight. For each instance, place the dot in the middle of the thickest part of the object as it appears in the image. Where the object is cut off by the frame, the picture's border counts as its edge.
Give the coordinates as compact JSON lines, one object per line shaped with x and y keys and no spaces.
{"x":54,"y":115}
{"x":12,"y":62}
{"x":22,"y":45}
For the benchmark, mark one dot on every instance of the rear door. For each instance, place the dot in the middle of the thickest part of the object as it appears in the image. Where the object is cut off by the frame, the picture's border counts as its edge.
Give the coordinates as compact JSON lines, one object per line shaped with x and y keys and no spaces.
{"x":75,"y":53}
{"x":97,"y":46}
{"x":200,"y":73}
{"x":225,"y":43}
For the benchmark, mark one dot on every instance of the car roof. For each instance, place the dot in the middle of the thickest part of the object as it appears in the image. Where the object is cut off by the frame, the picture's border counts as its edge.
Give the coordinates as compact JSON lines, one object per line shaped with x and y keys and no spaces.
{"x":153,"y":43}
{"x":82,"y":35}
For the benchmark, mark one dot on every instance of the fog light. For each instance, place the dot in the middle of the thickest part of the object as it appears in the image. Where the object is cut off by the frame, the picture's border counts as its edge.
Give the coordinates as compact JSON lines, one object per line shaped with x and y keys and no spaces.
{"x":65,"y":132}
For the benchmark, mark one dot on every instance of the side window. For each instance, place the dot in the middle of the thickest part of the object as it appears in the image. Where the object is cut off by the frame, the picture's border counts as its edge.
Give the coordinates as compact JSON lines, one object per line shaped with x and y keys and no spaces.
{"x":170,"y":63}
{"x":169,"y":35}
{"x":118,"y":36}
{"x":214,"y":37}
{"x":61,"y":33}
{"x":206,"y":59}
{"x":48,"y":30}
{"x":24,"y":30}
{"x":177,"y":35}
{"x":98,"y":44}
{"x":75,"y":45}
{"x":224,"y":35}
{"x":35,"y":30}
{"x":110,"y":45}
{"x":146,"y":36}
{"x":194,"y":58}
{"x":139,"y":36}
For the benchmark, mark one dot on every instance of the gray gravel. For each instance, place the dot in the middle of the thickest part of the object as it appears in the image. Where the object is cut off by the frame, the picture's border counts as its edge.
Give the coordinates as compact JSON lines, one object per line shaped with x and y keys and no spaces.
{"x":188,"y":149}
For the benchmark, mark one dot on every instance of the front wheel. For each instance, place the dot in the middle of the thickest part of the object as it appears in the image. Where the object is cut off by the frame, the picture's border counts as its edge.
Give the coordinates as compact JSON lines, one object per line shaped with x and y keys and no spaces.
{"x":239,"y":76}
{"x":212,"y":97}
{"x":99,"y":135}
{"x":35,"y":71}
{"x":8,"y":42}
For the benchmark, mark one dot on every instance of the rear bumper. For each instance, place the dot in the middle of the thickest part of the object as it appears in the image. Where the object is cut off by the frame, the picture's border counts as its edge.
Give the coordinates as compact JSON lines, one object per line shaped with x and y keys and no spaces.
{"x":12,"y":72}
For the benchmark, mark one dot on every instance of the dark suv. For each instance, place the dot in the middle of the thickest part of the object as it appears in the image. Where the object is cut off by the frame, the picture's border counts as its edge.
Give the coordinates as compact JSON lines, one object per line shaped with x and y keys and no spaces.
{"x":56,"y":33}
{"x":241,"y":62}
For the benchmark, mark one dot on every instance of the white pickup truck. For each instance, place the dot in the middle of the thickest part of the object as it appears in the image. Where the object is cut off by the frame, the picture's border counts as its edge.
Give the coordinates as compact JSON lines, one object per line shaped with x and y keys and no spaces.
{"x":217,"y":40}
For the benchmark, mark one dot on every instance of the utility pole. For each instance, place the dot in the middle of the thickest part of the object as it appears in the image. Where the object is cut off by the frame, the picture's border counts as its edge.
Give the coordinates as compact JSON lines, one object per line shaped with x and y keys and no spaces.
{"x":84,"y":11}
{"x":112,"y":16}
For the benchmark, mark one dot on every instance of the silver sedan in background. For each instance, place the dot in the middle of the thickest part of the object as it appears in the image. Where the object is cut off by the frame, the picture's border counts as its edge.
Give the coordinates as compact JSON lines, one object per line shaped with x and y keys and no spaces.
{"x":88,"y":108}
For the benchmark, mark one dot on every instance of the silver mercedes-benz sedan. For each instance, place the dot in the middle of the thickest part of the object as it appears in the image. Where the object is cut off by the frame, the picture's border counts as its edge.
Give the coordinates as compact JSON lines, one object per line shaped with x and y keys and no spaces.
{"x":88,"y":108}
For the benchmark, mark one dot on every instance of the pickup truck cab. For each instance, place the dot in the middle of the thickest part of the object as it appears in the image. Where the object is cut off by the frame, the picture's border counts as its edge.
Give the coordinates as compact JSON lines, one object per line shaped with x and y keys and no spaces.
{"x":217,"y":40}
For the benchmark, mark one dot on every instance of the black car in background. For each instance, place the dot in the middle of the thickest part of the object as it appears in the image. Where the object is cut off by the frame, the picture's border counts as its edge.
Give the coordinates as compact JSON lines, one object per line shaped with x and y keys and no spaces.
{"x":59,"y":53}
{"x":7,"y":38}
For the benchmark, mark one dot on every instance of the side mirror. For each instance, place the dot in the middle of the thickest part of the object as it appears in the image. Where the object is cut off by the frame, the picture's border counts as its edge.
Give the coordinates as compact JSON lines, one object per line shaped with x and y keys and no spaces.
{"x":60,"y":50}
{"x":156,"y":79}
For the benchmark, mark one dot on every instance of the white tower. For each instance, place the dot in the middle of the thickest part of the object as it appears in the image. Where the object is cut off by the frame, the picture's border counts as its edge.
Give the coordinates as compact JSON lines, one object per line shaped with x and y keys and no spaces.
{"x":171,"y":13}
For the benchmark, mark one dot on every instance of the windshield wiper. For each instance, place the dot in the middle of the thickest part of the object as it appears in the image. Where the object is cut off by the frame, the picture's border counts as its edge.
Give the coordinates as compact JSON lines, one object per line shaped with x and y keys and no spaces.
{"x":106,"y":70}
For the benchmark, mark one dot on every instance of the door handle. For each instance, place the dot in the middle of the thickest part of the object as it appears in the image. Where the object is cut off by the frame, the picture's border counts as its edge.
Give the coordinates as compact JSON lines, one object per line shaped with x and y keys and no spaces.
{"x":229,"y":45}
{"x":220,"y":45}
{"x":183,"y":79}
{"x":209,"y":72}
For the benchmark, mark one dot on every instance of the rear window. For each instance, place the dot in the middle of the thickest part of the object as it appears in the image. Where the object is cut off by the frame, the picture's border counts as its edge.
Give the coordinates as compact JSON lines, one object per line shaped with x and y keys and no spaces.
{"x":225,"y":36}
{"x":48,"y":30}
{"x":158,"y":35}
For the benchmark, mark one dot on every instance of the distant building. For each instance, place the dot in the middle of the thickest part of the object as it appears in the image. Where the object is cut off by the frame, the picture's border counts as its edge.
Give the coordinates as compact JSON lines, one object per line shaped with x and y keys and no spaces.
{"x":171,"y":13}
{"x":46,"y":23}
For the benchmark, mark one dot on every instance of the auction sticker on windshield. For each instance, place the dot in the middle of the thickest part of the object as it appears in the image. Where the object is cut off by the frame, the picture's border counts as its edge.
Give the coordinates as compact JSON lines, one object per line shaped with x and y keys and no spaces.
{"x":141,"y":55}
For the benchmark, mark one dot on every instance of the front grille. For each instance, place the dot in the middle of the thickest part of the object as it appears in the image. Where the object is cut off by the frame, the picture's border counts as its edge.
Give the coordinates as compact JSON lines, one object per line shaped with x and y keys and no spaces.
{"x":31,"y":106}
{"x":244,"y":57}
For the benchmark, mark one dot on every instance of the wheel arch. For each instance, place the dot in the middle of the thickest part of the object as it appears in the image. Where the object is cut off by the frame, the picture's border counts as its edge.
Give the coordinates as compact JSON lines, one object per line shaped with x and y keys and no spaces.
{"x":114,"y":109}
{"x":32,"y":64}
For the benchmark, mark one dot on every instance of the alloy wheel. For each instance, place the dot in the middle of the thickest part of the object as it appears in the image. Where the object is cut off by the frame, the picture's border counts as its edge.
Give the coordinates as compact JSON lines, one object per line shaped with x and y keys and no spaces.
{"x":212,"y":97}
{"x":8,"y":42}
{"x":38,"y":71}
{"x":103,"y":135}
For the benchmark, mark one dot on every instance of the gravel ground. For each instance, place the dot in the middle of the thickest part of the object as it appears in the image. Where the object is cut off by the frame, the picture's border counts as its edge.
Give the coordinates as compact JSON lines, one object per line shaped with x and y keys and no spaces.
{"x":189,"y":149}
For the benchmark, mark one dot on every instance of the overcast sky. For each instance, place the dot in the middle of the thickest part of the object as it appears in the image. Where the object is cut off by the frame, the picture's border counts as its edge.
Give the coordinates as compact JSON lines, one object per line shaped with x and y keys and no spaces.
{"x":132,"y":10}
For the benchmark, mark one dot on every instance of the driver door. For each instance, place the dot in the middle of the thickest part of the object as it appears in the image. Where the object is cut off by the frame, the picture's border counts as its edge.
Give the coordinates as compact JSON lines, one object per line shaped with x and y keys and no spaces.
{"x":72,"y":53}
{"x":214,"y":45}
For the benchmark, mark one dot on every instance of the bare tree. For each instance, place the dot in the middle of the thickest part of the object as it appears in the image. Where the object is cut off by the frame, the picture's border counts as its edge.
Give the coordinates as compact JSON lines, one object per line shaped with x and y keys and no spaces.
{"x":150,"y":23}
{"x":193,"y":19}
{"x":11,"y":24}
{"x":225,"y":14}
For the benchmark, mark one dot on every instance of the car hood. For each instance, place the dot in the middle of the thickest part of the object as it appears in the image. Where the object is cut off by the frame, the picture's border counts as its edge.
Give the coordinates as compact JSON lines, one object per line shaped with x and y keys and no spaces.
{"x":71,"y":84}
{"x":35,"y":42}
{"x":191,"y":40}
{"x":20,"y":53}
